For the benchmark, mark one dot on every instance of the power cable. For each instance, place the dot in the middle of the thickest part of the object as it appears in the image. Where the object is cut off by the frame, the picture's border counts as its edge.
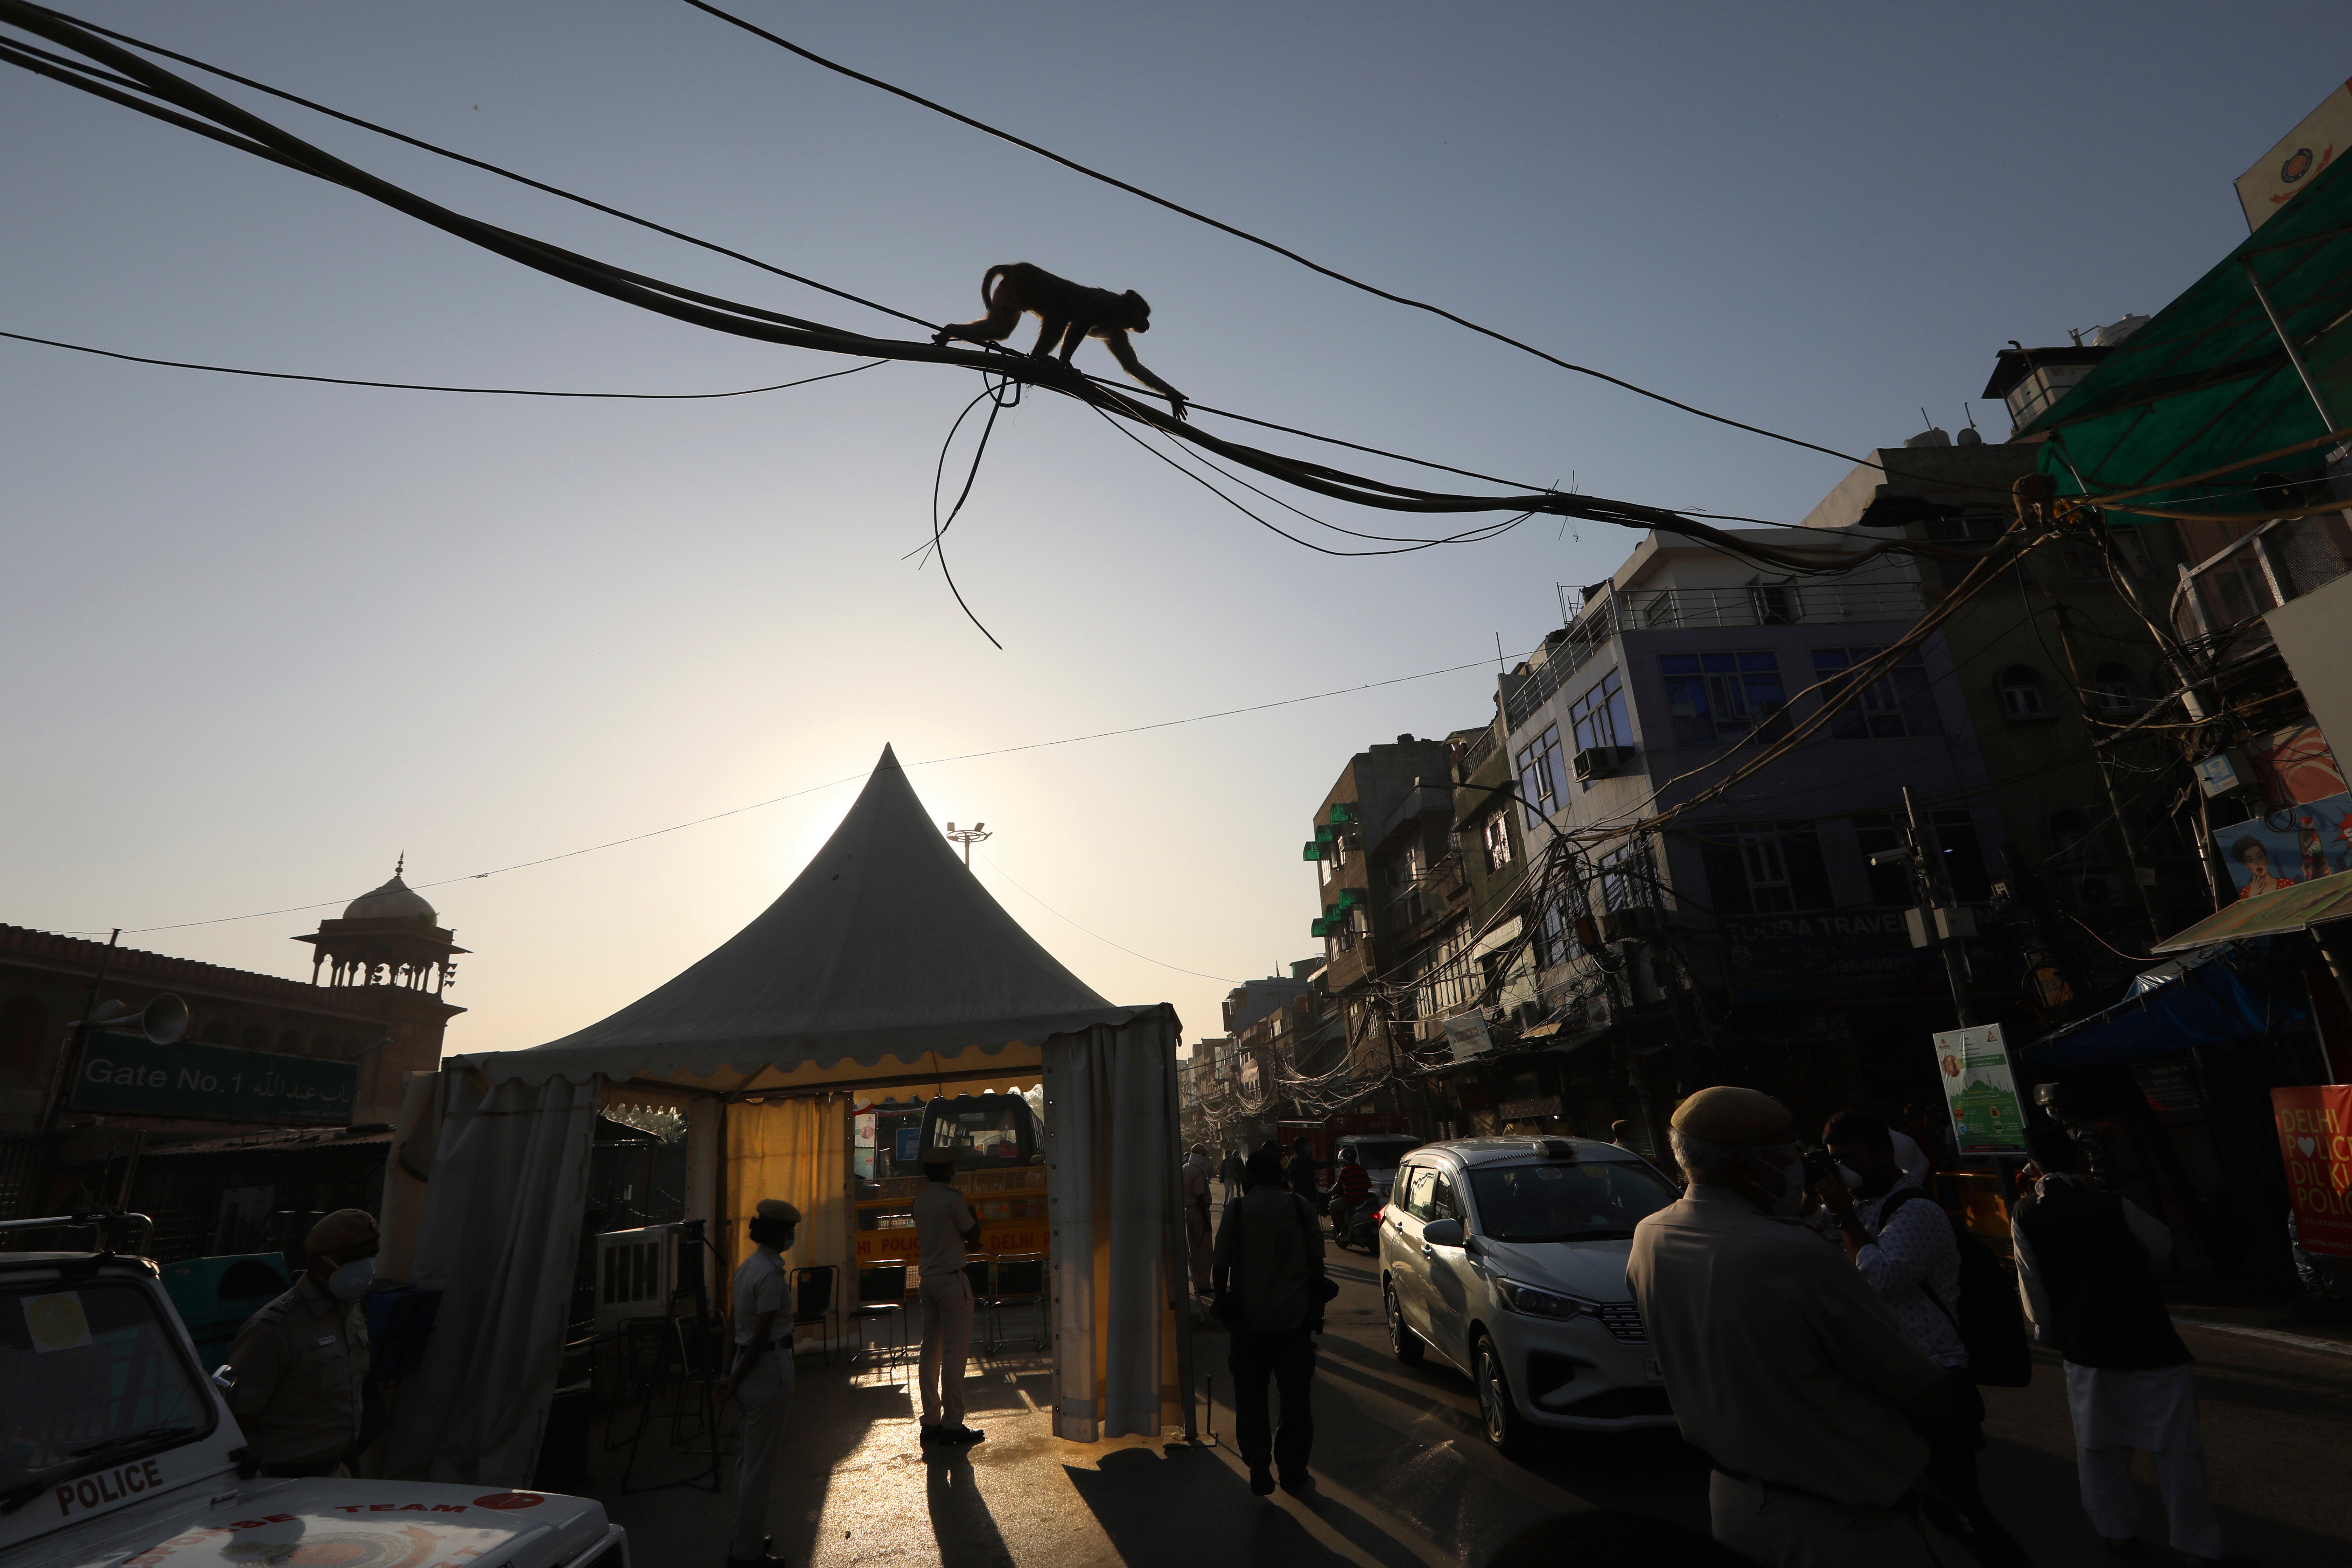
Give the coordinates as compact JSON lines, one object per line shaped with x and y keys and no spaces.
{"x":1479,"y":663}
{"x":1241,"y":233}
{"x":1221,"y":979}
{"x":418,"y":386}
{"x":486,"y":168}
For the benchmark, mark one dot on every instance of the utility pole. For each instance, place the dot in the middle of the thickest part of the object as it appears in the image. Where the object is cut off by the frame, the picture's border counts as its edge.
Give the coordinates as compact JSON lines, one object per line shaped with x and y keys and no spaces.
{"x":1940,"y":911}
{"x":2143,"y":878}
{"x":967,"y":837}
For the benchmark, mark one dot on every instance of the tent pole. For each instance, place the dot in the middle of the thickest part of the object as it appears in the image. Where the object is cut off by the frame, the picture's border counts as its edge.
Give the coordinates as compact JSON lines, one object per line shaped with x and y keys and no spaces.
{"x":2294,"y":354}
{"x":1180,"y":1261}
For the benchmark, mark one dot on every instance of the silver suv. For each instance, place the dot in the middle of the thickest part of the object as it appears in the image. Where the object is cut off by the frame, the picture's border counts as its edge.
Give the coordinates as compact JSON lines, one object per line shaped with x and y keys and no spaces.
{"x":1506,"y":1255}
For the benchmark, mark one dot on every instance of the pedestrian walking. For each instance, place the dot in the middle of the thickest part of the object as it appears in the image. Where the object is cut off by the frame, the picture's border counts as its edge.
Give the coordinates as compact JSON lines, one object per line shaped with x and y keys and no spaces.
{"x":1270,"y":1296}
{"x":1229,"y":1172}
{"x":2085,"y":1269}
{"x":1301,"y":1171}
{"x":1196,"y":1217}
{"x":1901,"y":1241}
{"x":759,"y":1378}
{"x":945,"y":1230}
{"x":300,"y":1364}
{"x":1782,"y":1365}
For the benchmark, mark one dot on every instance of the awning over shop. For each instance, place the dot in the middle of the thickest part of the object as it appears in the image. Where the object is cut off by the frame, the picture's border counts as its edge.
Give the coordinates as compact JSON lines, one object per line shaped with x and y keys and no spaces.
{"x":2206,"y":383}
{"x":2208,"y":1002}
{"x":2273,"y":914}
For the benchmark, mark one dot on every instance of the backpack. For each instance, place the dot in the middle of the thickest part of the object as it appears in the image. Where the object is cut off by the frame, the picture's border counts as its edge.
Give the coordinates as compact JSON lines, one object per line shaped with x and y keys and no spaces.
{"x":1990,"y":1323}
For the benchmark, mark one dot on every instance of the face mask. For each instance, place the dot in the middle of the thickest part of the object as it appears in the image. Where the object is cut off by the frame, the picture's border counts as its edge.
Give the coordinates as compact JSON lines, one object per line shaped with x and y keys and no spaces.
{"x":351,"y":1282}
{"x":1791,"y":1201}
{"x":1852,"y":1179}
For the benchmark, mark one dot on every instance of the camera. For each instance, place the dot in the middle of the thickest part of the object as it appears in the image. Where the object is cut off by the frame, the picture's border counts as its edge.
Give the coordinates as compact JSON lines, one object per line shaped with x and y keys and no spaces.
{"x":1821,"y":1170}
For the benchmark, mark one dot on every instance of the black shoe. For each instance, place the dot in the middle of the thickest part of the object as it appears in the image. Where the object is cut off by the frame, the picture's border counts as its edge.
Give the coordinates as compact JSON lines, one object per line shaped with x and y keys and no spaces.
{"x":1298,"y":1480}
{"x":1261,"y":1480}
{"x":960,"y":1434}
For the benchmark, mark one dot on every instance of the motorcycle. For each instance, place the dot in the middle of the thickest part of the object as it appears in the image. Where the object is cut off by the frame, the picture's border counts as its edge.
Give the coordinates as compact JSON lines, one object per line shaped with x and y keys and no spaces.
{"x":1358,"y":1225}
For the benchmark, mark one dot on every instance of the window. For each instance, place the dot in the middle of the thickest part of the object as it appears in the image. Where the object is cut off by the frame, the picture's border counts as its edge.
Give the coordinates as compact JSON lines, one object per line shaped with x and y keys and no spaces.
{"x":1441,"y":1203}
{"x":1629,"y":878}
{"x":1541,"y":768}
{"x":90,"y":1368}
{"x":1717,"y":698}
{"x":1592,"y":1200}
{"x":2113,"y":689}
{"x":1497,"y":837}
{"x":1775,"y":604}
{"x":1896,"y":704}
{"x":1598,"y":716}
{"x":1765,"y":868}
{"x":1556,"y":937}
{"x":2022,"y":695}
{"x":1413,"y":1185}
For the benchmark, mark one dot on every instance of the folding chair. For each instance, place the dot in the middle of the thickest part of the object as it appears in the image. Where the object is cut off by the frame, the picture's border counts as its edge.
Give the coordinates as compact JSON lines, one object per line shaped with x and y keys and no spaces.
{"x":816,"y":1300}
{"x":881,"y":1294}
{"x":1020,"y":1277}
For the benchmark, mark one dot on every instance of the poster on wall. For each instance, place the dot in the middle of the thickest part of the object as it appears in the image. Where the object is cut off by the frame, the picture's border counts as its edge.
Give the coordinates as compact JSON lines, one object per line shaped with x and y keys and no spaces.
{"x":2297,"y":758}
{"x":2287,"y":847}
{"x":1980,"y":1089}
{"x":2314,"y":1128}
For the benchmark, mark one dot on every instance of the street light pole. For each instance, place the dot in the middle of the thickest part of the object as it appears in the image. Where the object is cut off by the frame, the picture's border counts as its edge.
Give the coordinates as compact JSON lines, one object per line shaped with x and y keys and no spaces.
{"x":967,"y":837}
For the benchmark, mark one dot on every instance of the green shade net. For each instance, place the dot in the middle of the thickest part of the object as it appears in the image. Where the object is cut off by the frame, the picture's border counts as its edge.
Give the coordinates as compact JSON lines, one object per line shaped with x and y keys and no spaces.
{"x":2206,"y":383}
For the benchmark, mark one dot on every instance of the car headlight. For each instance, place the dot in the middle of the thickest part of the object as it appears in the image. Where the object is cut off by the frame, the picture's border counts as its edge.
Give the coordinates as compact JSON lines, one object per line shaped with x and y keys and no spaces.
{"x":1535,"y":1302}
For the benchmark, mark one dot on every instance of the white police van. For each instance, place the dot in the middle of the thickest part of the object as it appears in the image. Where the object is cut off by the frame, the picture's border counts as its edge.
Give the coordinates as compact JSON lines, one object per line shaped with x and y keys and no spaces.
{"x":116,"y":1450}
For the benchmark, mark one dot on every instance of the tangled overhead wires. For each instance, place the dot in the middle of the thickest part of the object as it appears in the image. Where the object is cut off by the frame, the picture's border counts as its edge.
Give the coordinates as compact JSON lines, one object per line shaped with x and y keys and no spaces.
{"x":999,"y":392}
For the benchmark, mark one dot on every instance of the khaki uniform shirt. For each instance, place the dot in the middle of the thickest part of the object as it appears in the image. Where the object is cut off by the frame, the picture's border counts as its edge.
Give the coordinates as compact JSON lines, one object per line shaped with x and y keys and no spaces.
{"x":299,"y":1363}
{"x":1783,"y":1363}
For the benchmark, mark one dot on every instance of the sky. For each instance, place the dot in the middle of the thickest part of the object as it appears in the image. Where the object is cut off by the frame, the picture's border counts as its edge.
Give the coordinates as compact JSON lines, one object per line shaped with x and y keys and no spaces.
{"x":263,"y":637}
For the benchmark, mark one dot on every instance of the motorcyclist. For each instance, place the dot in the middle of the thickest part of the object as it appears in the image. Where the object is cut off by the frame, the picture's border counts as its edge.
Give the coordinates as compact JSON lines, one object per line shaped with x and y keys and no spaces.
{"x":1353,"y":1185}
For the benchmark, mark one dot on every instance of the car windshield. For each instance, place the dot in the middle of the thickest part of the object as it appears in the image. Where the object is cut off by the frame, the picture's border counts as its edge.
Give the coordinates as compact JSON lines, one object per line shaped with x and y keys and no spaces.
{"x":1592,"y":1200}
{"x":81,"y":1369}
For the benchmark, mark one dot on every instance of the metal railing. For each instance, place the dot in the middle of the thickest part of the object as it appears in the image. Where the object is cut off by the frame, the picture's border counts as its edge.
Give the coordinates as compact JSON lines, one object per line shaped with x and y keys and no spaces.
{"x":1663,"y":609}
{"x":1480,"y":749}
{"x":2280,"y":561}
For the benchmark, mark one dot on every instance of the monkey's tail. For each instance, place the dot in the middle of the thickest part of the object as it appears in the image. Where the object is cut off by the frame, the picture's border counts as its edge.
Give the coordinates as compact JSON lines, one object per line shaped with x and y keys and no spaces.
{"x":988,"y":284}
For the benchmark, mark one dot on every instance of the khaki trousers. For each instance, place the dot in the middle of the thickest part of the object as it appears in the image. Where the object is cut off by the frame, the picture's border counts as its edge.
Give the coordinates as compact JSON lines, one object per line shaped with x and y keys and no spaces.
{"x":947,"y":1343}
{"x":765,"y":1395}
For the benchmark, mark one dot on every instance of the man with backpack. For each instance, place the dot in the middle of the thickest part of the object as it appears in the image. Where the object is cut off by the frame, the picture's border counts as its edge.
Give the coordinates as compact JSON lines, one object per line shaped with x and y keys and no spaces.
{"x":1906,"y":1247}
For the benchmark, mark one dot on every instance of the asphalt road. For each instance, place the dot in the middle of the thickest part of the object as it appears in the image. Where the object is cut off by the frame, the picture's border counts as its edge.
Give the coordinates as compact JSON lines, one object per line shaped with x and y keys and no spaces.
{"x":1405,"y":1478}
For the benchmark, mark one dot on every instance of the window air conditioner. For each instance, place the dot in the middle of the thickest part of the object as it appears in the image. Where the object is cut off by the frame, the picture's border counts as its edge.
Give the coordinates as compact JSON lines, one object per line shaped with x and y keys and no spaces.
{"x":1601,"y":762}
{"x":636,"y":1271}
{"x":1618,"y":924}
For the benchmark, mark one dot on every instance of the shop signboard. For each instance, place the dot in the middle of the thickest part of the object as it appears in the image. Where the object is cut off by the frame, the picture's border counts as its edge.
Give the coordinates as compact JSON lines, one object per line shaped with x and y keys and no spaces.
{"x":2292,"y":845}
{"x":2314,"y":1128}
{"x":1840,"y":955}
{"x":132,"y":1075}
{"x":1980,"y":1089}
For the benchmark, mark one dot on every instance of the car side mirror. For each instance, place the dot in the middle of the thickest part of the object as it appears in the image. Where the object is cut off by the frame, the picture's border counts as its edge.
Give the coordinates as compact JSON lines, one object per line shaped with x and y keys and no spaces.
{"x":1442,"y":1233}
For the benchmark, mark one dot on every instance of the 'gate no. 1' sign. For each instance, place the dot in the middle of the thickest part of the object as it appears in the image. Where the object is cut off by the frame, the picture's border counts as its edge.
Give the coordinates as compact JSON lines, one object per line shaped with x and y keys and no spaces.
{"x":2315,"y":1125}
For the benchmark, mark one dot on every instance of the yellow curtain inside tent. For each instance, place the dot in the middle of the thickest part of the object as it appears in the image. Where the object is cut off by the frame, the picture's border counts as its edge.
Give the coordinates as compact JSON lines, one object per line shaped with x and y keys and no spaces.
{"x":796,"y":1149}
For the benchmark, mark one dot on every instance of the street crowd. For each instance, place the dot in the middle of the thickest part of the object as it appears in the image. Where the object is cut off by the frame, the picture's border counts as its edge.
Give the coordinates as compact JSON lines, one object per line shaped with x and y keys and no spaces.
{"x":1822,"y":1324}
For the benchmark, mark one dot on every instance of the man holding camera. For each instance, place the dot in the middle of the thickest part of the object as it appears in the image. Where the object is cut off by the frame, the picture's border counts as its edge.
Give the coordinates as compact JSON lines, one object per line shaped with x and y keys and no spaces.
{"x":1783,"y":1364}
{"x":1900,"y":1240}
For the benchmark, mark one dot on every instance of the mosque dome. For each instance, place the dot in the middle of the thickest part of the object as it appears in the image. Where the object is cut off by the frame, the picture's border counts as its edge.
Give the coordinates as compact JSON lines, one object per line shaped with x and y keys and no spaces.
{"x":392,"y":901}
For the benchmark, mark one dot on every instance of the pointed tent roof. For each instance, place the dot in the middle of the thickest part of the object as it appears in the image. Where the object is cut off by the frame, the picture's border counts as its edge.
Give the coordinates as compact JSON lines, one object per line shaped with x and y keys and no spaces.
{"x":884,"y":947}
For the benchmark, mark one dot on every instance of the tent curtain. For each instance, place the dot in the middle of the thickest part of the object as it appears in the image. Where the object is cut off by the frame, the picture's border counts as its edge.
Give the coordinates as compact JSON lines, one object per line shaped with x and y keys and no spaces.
{"x":796,"y":1149}
{"x":499,"y":1234}
{"x":1110,"y":1142}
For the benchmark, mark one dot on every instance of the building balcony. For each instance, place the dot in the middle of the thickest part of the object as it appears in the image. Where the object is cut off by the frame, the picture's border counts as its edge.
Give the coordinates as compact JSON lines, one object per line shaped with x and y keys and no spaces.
{"x":1664,"y":609}
{"x":2230,"y":590}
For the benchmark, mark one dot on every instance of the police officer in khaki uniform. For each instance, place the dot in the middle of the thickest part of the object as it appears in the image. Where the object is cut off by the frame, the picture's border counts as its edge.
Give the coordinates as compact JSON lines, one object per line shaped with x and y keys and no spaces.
{"x":761,"y":1375}
{"x":299,"y":1362}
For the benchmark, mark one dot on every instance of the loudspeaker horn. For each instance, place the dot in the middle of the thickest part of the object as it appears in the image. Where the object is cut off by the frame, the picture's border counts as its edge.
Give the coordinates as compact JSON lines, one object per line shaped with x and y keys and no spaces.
{"x":164,"y":1020}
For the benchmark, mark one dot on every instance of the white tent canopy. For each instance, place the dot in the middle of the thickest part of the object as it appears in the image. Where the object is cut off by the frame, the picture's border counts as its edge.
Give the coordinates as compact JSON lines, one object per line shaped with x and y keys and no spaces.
{"x":886,"y":965}
{"x":885,"y":957}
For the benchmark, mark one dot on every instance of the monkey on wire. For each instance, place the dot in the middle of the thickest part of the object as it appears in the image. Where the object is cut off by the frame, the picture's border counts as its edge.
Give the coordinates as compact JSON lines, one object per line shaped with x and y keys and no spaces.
{"x":1069,"y":313}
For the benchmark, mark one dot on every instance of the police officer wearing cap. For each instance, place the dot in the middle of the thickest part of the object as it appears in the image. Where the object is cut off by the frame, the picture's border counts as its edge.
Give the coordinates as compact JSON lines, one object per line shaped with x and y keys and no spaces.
{"x":760,"y":1376}
{"x":1783,"y":1364}
{"x":945,"y":1230}
{"x":300,"y":1363}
